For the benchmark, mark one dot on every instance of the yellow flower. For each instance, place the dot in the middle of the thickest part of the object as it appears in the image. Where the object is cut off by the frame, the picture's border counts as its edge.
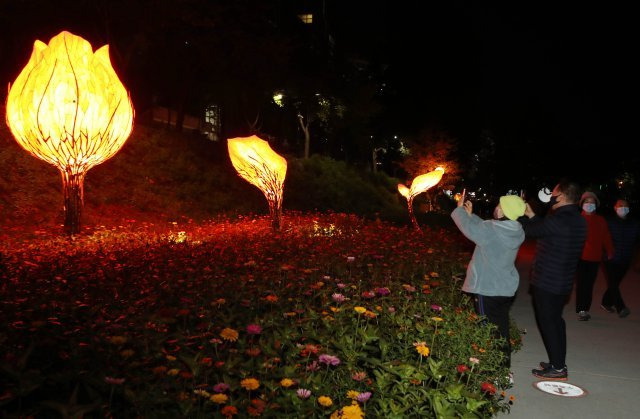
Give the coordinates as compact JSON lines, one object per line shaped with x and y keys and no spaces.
{"x":219,"y":398}
{"x":200,"y":392}
{"x":173,"y":371}
{"x":229,"y":334}
{"x":348,"y":412}
{"x":171,"y":358}
{"x":325,"y":401}
{"x":250,"y":383}
{"x":334,"y":309}
{"x":422,"y":350}
{"x":437,"y":319}
{"x":434,"y":274}
{"x":352,"y":394}
{"x":360,"y":310}
{"x":286,"y":382}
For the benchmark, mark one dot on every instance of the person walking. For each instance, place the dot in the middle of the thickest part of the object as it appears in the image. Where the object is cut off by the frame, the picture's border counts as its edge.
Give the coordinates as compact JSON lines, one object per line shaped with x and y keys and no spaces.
{"x":598,"y":243}
{"x":560,"y":239}
{"x":625,"y":232}
{"x":492,"y":277}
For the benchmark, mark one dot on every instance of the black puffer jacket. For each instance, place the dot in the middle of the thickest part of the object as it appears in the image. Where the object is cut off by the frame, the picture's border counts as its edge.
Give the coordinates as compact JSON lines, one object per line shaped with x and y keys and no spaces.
{"x":561,"y":237}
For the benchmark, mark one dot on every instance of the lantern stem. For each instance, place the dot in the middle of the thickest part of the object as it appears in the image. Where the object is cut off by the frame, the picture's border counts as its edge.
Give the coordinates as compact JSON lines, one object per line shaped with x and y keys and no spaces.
{"x":412,"y":215}
{"x":275,"y":210}
{"x":73,"y":191}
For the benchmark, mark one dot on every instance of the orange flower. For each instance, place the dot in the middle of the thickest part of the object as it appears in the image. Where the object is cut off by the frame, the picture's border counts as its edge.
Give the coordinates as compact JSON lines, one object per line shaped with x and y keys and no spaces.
{"x":422,"y":350}
{"x":229,"y":334}
{"x":286,"y":382}
{"x":229,"y":411}
{"x":325,"y":401}
{"x":250,"y":383}
{"x":271,"y":298}
{"x":219,"y":398}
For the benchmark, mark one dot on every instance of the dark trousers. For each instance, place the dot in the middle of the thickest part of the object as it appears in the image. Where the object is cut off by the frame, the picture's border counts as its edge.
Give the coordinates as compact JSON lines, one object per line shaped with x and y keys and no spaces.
{"x":615,"y":272}
{"x":496,"y":309}
{"x":548,"y":308}
{"x":585,"y":278}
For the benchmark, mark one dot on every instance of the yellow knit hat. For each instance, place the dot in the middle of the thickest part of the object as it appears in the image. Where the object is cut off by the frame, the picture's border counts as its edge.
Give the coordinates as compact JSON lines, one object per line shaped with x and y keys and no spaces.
{"x":513,"y":206}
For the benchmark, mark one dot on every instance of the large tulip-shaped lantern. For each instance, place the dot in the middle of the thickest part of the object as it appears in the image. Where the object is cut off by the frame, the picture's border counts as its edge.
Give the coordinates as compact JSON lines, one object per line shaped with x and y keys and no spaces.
{"x":258,"y":164}
{"x":420,"y":184}
{"x":68,"y":108}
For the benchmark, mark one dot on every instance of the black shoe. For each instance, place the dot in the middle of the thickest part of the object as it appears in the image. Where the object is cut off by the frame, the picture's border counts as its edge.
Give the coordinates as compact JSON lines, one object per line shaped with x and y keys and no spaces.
{"x":545,"y":365}
{"x":551,"y":373}
{"x":583,"y":316}
{"x":608,"y":309}
{"x":624,"y":312}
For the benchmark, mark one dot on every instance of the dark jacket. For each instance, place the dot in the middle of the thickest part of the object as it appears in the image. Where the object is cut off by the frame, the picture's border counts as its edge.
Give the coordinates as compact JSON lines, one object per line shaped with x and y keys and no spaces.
{"x":561,"y":238}
{"x":625,"y":234}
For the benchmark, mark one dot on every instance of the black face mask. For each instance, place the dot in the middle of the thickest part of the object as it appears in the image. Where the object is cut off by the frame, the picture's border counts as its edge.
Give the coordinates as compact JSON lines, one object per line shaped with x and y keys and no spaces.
{"x":553,"y":200}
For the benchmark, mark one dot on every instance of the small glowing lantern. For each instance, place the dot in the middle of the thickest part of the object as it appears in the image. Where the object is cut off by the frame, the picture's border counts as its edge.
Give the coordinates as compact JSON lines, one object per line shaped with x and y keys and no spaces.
{"x":68,"y":108}
{"x":258,"y":164}
{"x":420,"y":184}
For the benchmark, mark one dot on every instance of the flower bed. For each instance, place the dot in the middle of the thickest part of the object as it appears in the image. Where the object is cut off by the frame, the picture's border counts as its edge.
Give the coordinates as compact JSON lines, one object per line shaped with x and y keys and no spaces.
{"x":334,"y":316}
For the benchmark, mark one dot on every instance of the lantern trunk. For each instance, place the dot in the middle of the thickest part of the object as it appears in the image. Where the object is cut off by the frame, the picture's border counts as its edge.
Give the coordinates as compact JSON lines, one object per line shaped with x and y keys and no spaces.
{"x":412,"y":215}
{"x":275,"y":210}
{"x":73,"y":191}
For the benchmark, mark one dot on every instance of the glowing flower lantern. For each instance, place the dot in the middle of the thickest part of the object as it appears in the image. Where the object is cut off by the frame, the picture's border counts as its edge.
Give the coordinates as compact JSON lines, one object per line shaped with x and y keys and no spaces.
{"x":258,"y":164}
{"x":68,"y":108}
{"x":420,"y":184}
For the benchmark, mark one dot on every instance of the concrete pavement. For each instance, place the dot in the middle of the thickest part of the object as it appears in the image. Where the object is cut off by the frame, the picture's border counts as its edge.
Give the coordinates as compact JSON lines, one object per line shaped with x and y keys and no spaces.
{"x":603,"y":355}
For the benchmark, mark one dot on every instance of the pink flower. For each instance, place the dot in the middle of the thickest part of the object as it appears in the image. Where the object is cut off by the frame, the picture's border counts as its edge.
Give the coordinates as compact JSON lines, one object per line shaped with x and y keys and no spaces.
{"x":338,"y":298}
{"x":359,"y":376}
{"x":303,"y":393}
{"x":221,"y":387}
{"x":350,"y":258}
{"x":340,"y":285}
{"x":474,"y":360}
{"x":436,"y":307}
{"x":313,"y":366}
{"x":383,"y":291}
{"x":391,"y":310}
{"x":363,"y":397}
{"x":254,"y":329}
{"x":329,"y":359}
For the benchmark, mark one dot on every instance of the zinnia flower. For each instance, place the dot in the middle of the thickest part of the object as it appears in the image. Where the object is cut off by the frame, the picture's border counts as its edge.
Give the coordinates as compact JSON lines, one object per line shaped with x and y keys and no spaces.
{"x":221,"y":387}
{"x":250,"y":383}
{"x":254,"y":329}
{"x":348,"y":412}
{"x":462,"y":368}
{"x":352,"y":394}
{"x":359,"y":376}
{"x":229,"y":411}
{"x":229,"y":334}
{"x":340,"y":285}
{"x":286,"y":382}
{"x":325,"y":401}
{"x":488,"y":388}
{"x":360,"y":310}
{"x":437,"y":319}
{"x":383,"y":291}
{"x":474,"y":360}
{"x":338,"y":298}
{"x":115,"y":381}
{"x":363,"y":397}
{"x":219,"y":398}
{"x":303,"y":393}
{"x":408,"y":287}
{"x":329,"y":360}
{"x":368,"y":294}
{"x":422,"y":350}
{"x":314,"y":366}
{"x":436,"y":307}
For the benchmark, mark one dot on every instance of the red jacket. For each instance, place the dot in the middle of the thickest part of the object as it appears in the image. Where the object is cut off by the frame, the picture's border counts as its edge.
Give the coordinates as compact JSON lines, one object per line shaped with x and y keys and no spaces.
{"x":598,"y":238}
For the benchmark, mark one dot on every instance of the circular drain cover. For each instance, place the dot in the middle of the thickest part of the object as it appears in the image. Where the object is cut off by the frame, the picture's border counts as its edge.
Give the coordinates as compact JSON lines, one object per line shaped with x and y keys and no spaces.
{"x":558,"y":388}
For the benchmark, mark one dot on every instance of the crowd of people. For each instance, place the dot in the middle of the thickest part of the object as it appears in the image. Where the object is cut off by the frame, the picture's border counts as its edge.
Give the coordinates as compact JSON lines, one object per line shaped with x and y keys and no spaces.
{"x":572,"y":242}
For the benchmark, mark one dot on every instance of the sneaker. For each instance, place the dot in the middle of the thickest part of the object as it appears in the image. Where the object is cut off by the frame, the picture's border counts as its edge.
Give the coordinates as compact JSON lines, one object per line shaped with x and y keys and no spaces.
{"x":583,"y":316}
{"x":545,"y":365}
{"x":608,"y":309}
{"x":624,"y":312}
{"x":551,"y":373}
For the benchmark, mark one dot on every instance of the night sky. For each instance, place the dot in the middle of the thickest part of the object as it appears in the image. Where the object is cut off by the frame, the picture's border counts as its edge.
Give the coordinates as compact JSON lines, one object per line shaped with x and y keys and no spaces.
{"x":553,"y":85}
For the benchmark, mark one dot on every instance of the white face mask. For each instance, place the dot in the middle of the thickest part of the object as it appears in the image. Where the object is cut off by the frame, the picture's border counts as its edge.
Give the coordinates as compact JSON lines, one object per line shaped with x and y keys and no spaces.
{"x":622,"y":211}
{"x":588,"y":207}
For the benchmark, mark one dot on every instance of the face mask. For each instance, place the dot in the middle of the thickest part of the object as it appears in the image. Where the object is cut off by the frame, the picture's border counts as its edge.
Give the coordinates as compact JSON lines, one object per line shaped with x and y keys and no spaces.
{"x":553,"y":200}
{"x":622,"y":211}
{"x":589,"y":207}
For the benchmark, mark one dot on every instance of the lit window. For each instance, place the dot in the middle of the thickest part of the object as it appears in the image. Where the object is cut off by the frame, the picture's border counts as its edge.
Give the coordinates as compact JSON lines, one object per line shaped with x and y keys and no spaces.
{"x":306,"y":18}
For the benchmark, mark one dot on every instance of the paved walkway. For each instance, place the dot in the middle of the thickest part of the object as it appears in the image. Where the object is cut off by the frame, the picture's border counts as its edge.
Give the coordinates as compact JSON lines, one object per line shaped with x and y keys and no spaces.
{"x":603,"y":355}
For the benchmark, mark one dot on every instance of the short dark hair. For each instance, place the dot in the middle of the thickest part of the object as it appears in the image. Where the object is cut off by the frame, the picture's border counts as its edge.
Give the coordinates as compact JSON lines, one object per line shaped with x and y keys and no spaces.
{"x":570,"y":189}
